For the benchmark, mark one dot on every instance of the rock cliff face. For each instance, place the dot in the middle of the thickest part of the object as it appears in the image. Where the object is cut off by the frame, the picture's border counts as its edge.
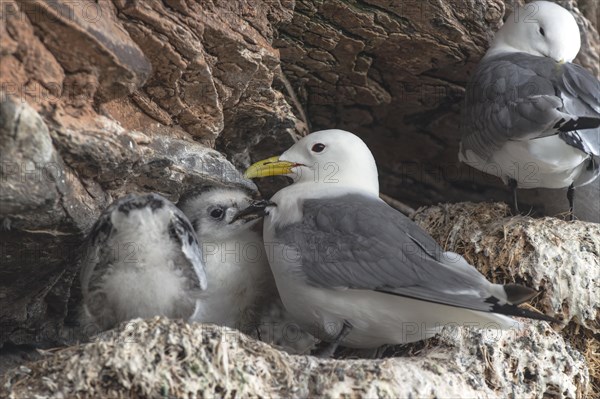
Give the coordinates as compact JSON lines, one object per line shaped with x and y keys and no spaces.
{"x":98,"y":99}
{"x":101,"y":99}
{"x":394,"y":72}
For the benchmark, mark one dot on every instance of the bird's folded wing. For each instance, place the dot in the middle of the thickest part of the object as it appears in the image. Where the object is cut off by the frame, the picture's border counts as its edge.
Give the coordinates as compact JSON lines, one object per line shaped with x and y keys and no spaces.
{"x":581,"y":93}
{"x":578,"y":82}
{"x":517,"y":96}
{"x":181,"y":229}
{"x":359,"y":242}
{"x":95,"y":255}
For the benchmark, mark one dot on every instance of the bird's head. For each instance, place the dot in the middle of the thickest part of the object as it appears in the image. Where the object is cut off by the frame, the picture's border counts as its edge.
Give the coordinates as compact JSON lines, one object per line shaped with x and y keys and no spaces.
{"x":540,"y":28}
{"x":129,"y":212}
{"x":328,"y":157}
{"x":212,"y":212}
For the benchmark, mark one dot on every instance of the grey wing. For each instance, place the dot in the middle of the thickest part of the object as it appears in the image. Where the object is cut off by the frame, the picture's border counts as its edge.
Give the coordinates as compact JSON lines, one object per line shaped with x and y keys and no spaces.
{"x":511,"y":97}
{"x":362,"y":243}
{"x":181,"y":229}
{"x":95,"y":258}
{"x":580,"y":91}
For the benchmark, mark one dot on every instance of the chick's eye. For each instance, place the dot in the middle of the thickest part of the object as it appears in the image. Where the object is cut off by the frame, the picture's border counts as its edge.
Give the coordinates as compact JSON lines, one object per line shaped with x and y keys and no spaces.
{"x":217,"y":213}
{"x":318,"y":147}
{"x":542,"y":32}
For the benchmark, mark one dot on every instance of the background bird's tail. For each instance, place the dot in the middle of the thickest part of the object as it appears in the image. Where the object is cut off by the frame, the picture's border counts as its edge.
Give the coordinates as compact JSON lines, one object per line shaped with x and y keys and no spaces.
{"x":581,"y":123}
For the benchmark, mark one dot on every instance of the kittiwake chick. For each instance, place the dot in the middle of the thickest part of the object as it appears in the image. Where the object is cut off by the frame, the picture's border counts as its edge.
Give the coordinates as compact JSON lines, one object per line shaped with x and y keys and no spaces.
{"x":240,"y":281}
{"x":141,"y":259}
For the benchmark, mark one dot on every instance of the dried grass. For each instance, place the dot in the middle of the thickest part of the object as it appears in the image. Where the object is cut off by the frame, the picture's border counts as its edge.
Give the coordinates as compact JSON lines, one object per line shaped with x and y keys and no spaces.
{"x":164,"y":358}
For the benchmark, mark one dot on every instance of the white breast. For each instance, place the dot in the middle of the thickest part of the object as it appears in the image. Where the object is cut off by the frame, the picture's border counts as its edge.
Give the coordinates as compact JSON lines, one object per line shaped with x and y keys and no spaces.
{"x":545,"y":162}
{"x":238,"y":278}
{"x":142,"y":280}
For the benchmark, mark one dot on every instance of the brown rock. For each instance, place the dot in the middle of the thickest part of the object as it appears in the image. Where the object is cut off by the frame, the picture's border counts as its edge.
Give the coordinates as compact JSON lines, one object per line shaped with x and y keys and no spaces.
{"x":104,"y":49}
{"x":99,"y":99}
{"x":395,"y":72}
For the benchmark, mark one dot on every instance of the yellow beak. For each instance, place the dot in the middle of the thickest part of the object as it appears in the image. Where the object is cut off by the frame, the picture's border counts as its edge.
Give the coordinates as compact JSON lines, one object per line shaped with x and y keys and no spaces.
{"x":269,"y":167}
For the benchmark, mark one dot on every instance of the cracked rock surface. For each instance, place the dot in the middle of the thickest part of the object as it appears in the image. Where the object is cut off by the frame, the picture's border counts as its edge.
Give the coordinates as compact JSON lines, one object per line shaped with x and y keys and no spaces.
{"x":102,"y":98}
{"x":394,"y":72}
{"x":98,"y":99}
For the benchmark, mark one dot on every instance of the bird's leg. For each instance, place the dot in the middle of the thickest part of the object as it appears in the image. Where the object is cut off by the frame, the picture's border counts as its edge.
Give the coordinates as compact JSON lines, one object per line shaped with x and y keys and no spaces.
{"x":329,"y":350}
{"x":512,"y":183}
{"x":379,"y":352}
{"x":258,"y":333}
{"x":571,"y":198}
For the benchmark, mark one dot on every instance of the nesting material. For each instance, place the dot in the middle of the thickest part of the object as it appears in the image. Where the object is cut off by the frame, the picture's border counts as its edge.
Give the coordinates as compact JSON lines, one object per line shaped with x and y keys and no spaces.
{"x":560,"y":259}
{"x":162,"y":358}
{"x":159,"y":357}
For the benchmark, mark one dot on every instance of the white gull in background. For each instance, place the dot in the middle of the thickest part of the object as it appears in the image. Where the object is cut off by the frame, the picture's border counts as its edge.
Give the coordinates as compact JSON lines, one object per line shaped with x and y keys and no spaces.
{"x":531,"y":116}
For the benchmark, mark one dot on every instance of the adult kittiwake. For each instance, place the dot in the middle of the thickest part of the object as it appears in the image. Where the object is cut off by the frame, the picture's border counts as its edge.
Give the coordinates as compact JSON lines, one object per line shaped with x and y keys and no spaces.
{"x":530,"y":116}
{"x":352,"y":270}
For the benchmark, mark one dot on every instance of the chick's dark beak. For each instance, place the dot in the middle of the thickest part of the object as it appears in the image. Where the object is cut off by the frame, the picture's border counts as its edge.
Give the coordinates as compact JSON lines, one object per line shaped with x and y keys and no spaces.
{"x":256,"y":209}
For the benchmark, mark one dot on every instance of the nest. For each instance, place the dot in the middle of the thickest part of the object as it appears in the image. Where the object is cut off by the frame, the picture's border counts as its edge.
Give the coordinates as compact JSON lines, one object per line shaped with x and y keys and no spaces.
{"x":560,"y":259}
{"x":166,"y":358}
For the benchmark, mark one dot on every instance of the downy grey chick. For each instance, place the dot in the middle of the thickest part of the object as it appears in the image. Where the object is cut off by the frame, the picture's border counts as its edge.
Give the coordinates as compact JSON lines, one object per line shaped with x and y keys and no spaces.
{"x":141,"y":259}
{"x":240,"y":281}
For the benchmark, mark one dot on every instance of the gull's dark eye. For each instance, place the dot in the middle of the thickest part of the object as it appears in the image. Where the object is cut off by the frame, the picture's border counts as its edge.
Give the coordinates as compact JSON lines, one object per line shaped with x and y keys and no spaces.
{"x":318,"y":147}
{"x":216,"y":213}
{"x":542,"y":32}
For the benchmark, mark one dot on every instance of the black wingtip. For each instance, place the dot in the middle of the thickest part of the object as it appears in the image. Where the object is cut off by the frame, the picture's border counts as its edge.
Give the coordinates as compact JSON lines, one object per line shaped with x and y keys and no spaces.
{"x":513,"y":310}
{"x":581,"y":123}
{"x":517,"y":294}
